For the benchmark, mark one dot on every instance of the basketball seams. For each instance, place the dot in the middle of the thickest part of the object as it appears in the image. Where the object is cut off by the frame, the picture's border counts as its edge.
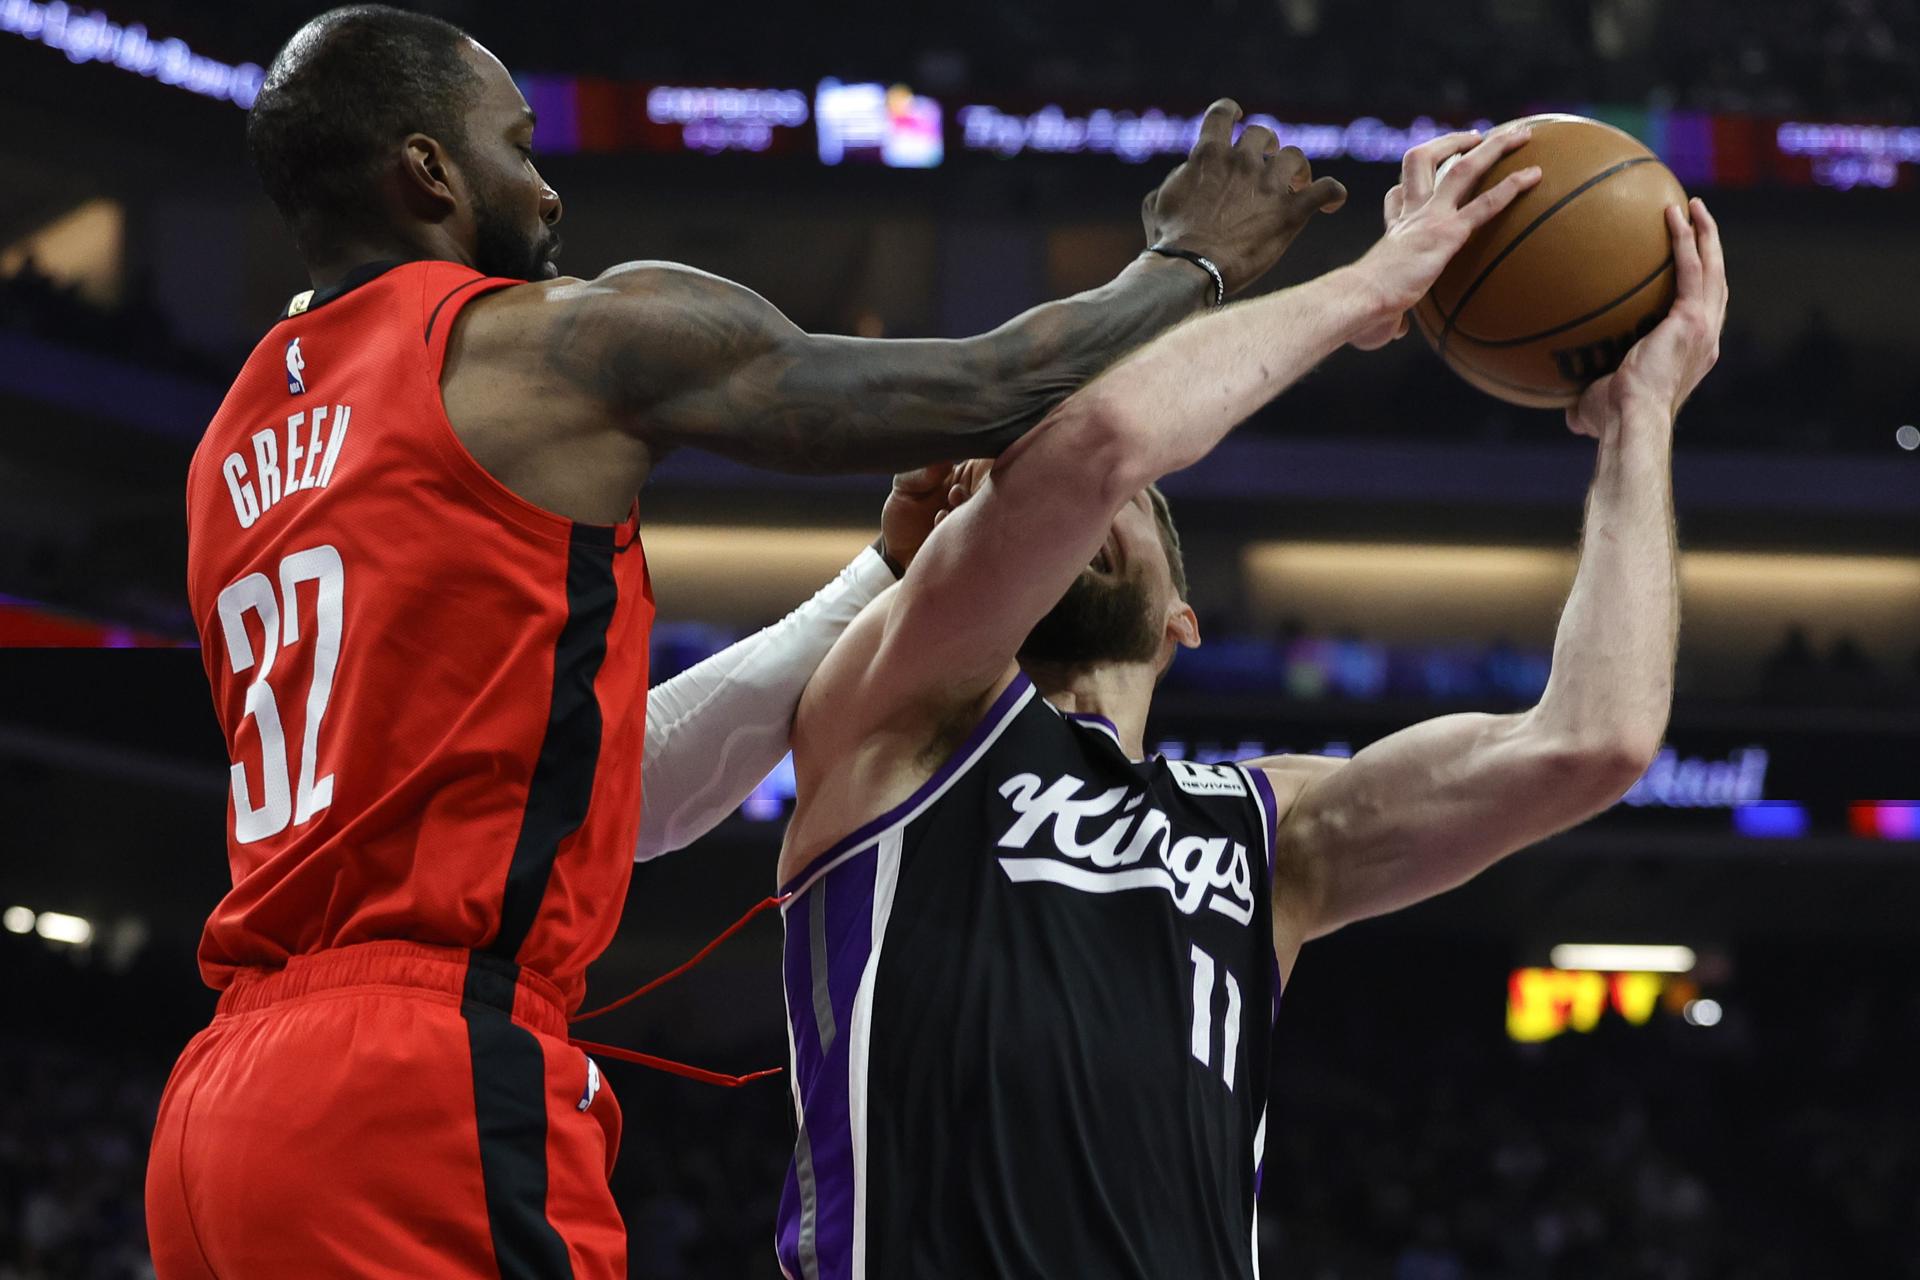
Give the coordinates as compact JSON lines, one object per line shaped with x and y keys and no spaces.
{"x":1574,"y":323}
{"x":1466,"y":369}
{"x":1452,"y":316}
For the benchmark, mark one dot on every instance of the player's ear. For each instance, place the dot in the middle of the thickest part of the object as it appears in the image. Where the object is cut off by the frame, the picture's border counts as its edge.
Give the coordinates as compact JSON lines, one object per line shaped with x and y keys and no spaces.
{"x":1183,"y":625}
{"x":427,"y":179}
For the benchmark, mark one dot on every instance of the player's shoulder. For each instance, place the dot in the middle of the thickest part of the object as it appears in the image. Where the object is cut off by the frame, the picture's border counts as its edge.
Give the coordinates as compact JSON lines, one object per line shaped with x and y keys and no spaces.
{"x":630,"y":284}
{"x":1289,"y":775}
{"x":636,"y":330}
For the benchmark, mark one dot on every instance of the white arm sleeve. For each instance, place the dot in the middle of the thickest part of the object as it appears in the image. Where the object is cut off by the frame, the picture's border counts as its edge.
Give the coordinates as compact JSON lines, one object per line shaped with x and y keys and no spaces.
{"x":716,"y":730}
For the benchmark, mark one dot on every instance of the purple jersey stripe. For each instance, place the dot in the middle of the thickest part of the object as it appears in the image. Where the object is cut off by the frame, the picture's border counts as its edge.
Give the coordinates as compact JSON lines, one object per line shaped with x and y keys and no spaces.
{"x":1270,"y":818}
{"x":1269,"y":811}
{"x":828,"y":941}
{"x":867,"y":831}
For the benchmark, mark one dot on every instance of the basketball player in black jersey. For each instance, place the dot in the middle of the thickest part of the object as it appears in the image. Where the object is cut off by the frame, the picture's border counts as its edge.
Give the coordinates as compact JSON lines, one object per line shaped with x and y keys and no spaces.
{"x":1030,"y":993}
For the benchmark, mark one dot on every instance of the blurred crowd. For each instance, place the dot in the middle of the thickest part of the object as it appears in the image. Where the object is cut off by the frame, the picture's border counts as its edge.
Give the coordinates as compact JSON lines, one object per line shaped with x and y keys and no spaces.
{"x":1827,"y":57}
{"x":1407,"y":1141}
{"x":1809,"y":392}
{"x":1293,"y":663}
{"x":1777,"y":1145}
{"x":73,"y":1155}
{"x":135,"y":329}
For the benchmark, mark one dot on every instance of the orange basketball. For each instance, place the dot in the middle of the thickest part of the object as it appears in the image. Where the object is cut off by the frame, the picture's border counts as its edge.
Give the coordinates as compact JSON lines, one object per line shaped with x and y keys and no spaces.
{"x":1550,"y":294}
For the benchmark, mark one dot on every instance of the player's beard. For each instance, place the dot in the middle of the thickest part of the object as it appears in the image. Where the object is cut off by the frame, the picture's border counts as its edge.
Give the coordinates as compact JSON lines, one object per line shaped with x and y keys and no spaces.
{"x":502,"y":248}
{"x":1096,"y":622}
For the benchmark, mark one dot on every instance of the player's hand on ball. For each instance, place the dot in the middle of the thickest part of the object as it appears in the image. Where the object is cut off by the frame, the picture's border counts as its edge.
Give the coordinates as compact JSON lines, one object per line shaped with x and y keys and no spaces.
{"x":1429,"y":216}
{"x":1663,"y":368}
{"x":1238,"y":204}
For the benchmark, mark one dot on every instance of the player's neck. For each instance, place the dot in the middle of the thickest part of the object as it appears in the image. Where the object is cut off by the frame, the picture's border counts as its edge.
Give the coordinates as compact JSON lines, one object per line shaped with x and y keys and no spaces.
{"x":1121,"y":693}
{"x":341,"y":260}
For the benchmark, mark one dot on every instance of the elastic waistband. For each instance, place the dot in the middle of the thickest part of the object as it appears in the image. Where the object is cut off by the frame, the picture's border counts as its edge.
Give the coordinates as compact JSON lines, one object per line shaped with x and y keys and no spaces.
{"x":464,"y":976}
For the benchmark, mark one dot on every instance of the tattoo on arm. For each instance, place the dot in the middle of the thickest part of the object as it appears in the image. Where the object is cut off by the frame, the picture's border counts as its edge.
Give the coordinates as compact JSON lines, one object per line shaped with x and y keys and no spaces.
{"x":685,"y":358}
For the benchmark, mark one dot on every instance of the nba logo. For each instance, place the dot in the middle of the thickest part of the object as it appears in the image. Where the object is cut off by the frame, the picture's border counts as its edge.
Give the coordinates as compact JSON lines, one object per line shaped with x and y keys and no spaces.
{"x":592,"y":1091}
{"x":296,"y":364}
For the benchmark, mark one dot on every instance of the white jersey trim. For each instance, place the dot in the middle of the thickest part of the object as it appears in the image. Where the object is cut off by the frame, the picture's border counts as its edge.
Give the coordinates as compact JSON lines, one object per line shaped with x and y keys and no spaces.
{"x":1259,"y":1154}
{"x":903,"y":818}
{"x":886,"y":878}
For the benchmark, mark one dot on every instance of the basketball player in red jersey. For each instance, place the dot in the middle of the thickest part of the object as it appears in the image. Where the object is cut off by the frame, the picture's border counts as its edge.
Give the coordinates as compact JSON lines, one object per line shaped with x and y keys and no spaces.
{"x":424,"y":607}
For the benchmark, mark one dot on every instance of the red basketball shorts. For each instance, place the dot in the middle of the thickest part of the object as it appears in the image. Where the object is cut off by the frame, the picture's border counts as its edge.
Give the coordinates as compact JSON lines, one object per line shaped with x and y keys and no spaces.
{"x":382,"y":1110}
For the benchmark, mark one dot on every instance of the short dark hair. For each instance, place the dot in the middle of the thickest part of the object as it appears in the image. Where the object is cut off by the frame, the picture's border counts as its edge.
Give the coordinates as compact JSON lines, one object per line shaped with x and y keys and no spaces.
{"x":1169,"y":538}
{"x":339,"y":96}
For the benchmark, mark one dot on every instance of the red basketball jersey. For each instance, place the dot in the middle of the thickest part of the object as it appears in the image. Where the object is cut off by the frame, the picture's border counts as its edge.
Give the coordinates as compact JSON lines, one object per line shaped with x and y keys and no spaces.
{"x":433,"y":692}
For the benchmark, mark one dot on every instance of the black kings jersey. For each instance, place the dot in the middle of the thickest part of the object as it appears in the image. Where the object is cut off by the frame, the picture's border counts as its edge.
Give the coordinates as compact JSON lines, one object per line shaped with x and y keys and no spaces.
{"x":1030,"y":1012}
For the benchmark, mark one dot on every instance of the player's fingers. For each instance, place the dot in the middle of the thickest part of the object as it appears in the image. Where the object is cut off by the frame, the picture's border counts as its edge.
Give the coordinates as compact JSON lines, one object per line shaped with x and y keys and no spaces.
{"x":1394,"y":204}
{"x":967,"y":479}
{"x":1707,"y":235}
{"x":1482,"y":208}
{"x":1688,"y":275}
{"x":1327,"y":194}
{"x":923,"y":480}
{"x":1419,"y":164}
{"x":1464,"y":174}
{"x":1216,"y":126}
{"x":1293,"y":168}
{"x":1258,"y":140}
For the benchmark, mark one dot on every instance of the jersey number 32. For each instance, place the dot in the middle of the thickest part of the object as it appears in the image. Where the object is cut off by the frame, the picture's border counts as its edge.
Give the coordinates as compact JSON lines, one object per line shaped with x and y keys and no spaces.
{"x":281,"y":625}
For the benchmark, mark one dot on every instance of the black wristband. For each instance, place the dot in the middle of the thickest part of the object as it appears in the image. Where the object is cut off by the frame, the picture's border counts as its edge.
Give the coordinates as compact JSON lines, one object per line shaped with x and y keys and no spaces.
{"x":1201,"y":261}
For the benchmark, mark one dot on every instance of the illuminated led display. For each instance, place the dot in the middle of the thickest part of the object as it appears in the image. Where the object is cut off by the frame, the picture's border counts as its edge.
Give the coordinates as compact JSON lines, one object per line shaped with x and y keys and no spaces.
{"x":25,"y":624}
{"x":1771,"y":820}
{"x":1675,"y":781}
{"x":714,"y":120}
{"x":1851,"y":155}
{"x":89,"y":36}
{"x":1544,"y":1003}
{"x":890,"y":124}
{"x":1140,"y":135}
{"x":1885,"y":819}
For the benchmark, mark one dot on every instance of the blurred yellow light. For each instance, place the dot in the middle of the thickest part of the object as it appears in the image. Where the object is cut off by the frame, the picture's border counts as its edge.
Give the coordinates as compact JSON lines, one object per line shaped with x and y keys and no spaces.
{"x":1734,"y":601}
{"x":1542,"y":1003}
{"x":81,"y":248}
{"x":1635,"y":995}
{"x":1747,"y":571}
{"x":744,"y":573}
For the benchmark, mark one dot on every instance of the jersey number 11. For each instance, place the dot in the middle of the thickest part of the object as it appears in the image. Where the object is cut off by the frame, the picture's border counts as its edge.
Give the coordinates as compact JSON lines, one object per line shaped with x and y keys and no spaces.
{"x":1203,"y":968}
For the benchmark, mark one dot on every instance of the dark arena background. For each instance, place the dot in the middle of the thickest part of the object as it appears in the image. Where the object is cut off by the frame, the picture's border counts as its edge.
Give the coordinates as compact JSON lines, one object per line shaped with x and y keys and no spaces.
{"x":1462,"y":1089}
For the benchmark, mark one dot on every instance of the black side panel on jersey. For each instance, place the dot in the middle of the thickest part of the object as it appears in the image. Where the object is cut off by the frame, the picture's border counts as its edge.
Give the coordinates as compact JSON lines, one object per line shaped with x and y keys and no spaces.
{"x":509,"y":1071}
{"x":562,"y":785}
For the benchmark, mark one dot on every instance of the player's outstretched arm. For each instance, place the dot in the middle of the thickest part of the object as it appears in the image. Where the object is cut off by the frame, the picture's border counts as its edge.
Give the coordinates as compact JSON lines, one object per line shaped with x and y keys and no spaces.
{"x":992,"y":570}
{"x":1428,"y":808}
{"x":689,"y":359}
{"x":717,"y":729}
